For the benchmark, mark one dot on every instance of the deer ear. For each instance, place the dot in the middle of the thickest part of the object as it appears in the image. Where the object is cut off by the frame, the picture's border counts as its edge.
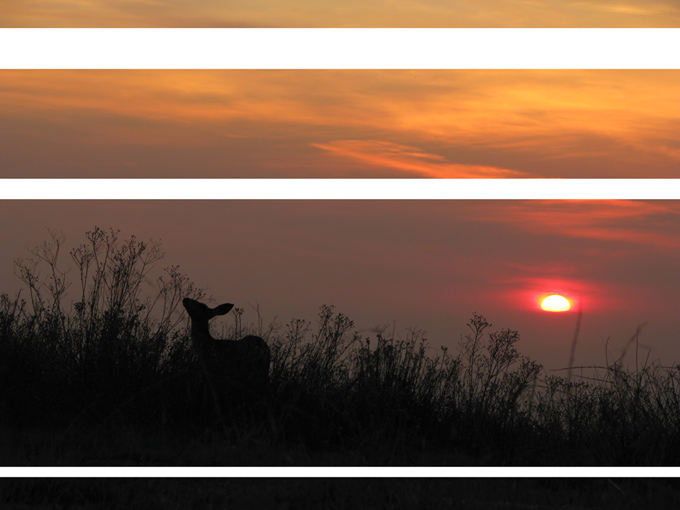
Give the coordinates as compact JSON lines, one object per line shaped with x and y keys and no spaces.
{"x":222,"y":309}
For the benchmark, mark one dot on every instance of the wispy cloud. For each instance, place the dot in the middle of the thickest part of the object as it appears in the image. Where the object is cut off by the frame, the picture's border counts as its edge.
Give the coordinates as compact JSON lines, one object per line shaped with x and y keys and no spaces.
{"x":327,"y":13}
{"x":630,"y":8}
{"x":428,"y":123}
{"x":624,"y":221}
{"x":411,"y":160}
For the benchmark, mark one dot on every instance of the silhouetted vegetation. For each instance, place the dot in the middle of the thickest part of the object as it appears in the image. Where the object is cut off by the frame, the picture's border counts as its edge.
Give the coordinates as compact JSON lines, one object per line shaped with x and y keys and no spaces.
{"x":389,"y":493}
{"x":96,"y":368}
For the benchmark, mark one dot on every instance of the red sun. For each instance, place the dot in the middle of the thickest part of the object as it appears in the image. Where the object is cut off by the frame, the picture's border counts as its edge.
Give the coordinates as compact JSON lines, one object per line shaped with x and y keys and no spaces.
{"x":555,"y":303}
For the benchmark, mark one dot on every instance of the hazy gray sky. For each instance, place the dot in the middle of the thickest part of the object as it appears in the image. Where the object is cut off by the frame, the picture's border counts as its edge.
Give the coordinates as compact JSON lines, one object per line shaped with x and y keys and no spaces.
{"x":419,"y":263}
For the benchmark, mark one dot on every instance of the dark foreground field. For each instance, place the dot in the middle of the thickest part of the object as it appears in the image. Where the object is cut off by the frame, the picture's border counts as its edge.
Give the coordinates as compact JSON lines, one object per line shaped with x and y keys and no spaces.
{"x":301,"y":494}
{"x":106,"y":377}
{"x":333,"y":399}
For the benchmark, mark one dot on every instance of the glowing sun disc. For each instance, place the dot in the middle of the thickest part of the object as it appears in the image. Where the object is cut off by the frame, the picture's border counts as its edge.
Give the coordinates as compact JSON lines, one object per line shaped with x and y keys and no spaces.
{"x":555,"y":303}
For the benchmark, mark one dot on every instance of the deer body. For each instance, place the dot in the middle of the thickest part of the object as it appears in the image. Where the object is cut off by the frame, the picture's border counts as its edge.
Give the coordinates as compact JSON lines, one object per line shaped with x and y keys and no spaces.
{"x":241,"y":366}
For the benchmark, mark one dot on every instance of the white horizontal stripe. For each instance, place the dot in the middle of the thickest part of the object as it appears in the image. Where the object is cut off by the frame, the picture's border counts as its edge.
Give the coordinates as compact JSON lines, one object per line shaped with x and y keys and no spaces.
{"x":339,"y":189}
{"x":335,"y":472}
{"x":348,"y":48}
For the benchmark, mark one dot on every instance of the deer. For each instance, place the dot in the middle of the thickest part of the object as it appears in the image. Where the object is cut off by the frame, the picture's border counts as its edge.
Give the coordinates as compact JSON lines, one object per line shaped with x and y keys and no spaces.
{"x":233,"y":367}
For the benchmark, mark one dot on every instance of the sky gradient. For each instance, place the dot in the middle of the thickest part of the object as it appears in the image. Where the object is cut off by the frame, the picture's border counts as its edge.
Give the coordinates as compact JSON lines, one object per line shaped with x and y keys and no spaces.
{"x":425,"y":264}
{"x":350,"y":13}
{"x":483,"y":123}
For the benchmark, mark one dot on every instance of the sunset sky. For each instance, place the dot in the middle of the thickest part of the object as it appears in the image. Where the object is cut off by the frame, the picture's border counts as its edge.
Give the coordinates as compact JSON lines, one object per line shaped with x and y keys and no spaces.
{"x":474,"y":123}
{"x":350,"y":13}
{"x":428,"y":264}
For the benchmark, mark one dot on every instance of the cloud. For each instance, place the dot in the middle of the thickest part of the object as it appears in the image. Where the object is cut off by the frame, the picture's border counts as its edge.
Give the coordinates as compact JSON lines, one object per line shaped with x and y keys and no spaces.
{"x":631,"y":8}
{"x":626,"y":221}
{"x":549,"y":123}
{"x":327,"y":13}
{"x":411,"y":160}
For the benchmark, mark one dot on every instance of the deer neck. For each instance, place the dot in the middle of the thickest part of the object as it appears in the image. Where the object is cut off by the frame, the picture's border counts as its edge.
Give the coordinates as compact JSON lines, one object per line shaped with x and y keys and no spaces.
{"x":200,"y":335}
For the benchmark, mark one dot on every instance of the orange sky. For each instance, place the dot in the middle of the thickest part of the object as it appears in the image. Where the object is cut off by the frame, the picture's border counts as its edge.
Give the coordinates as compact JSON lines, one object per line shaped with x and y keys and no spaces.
{"x":349,"y":13}
{"x":483,"y":123}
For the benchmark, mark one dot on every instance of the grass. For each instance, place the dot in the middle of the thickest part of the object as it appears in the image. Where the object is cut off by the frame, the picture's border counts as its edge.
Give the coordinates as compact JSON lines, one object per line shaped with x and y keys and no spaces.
{"x":108,"y":377}
{"x":465,"y":494}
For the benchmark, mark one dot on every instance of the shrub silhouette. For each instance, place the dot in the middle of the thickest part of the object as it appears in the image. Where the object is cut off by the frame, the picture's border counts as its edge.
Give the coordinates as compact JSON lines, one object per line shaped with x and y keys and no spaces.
{"x":95,"y":357}
{"x":99,"y":354}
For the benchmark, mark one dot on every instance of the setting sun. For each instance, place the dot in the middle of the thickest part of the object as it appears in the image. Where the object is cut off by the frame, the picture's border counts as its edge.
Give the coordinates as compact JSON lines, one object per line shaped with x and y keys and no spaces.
{"x":555,"y":303}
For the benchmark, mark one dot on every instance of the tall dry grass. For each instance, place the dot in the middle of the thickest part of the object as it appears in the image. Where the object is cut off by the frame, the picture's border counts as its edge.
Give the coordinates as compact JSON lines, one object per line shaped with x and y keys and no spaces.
{"x":110,"y":367}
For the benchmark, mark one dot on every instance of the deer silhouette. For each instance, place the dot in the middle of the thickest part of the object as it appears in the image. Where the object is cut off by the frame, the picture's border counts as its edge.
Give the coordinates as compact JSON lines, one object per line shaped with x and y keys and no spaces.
{"x":231,"y":366}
